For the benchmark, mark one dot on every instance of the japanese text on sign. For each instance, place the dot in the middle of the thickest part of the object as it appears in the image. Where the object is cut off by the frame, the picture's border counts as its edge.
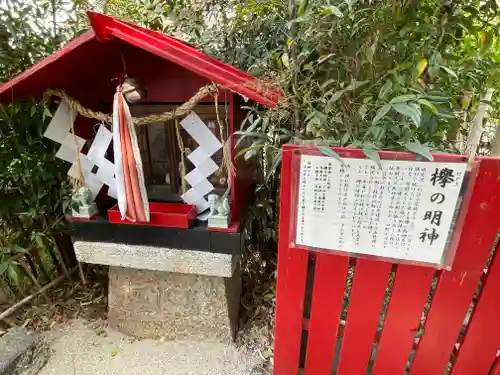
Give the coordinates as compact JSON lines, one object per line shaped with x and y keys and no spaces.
{"x":403,"y":211}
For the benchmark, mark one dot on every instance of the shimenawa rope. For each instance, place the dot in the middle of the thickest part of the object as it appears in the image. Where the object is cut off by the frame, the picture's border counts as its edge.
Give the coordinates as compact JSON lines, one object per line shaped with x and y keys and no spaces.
{"x":180,"y":111}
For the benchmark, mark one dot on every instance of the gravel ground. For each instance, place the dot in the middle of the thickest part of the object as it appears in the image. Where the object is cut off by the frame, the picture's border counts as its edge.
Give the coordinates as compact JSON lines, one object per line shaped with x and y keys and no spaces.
{"x":80,"y":348}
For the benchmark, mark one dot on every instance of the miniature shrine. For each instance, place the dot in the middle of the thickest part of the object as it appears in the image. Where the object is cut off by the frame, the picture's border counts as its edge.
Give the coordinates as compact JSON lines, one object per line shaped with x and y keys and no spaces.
{"x":146,"y":123}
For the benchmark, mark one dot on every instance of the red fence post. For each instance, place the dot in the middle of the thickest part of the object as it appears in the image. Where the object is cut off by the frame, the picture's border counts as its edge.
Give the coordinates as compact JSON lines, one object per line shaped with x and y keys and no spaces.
{"x":291,"y":284}
{"x":367,"y":295}
{"x":482,"y":340}
{"x":409,"y":294}
{"x":456,"y":287}
{"x":327,"y":301}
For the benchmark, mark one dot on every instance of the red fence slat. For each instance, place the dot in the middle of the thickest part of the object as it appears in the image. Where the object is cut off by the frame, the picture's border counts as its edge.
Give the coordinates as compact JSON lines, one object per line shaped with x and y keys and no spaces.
{"x":482,"y":339}
{"x":288,"y":332}
{"x":327,"y":300}
{"x":291,"y":284}
{"x":496,"y":370}
{"x":456,"y":288}
{"x":409,"y":294}
{"x":365,"y":304}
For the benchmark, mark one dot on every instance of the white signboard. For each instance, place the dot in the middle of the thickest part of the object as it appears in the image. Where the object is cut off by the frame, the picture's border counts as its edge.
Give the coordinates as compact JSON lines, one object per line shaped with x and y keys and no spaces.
{"x":403,"y":211}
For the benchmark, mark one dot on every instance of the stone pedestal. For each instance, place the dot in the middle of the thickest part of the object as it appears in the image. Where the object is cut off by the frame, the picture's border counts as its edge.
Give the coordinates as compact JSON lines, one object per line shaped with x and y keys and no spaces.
{"x":170,"y":305}
{"x":175,"y":294}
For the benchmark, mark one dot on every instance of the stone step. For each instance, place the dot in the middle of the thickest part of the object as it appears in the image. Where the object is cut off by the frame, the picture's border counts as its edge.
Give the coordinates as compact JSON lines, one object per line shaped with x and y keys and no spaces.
{"x":22,"y":352}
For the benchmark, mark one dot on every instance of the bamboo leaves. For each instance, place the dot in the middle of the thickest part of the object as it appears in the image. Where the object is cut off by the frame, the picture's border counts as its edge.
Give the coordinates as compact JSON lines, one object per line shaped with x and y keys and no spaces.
{"x":419,"y":149}
{"x":411,"y":110}
{"x":403,"y":98}
{"x":34,"y":184}
{"x":422,"y":65}
{"x":486,"y":40}
{"x":371,"y":153}
{"x":3,"y":267}
{"x":351,"y":87}
{"x":332,"y":9}
{"x":449,"y":71}
{"x":381,"y":113}
{"x":327,"y":151}
{"x":385,"y":90}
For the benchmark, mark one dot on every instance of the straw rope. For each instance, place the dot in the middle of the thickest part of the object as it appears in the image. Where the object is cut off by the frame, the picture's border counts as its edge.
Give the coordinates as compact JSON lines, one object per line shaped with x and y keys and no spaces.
{"x":180,"y":111}
{"x":181,"y":150}
{"x":226,"y":158}
{"x":80,"y":181}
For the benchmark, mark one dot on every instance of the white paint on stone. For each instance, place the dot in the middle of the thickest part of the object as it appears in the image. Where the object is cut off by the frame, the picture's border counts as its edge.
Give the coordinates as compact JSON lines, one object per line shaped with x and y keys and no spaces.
{"x":156,"y":258}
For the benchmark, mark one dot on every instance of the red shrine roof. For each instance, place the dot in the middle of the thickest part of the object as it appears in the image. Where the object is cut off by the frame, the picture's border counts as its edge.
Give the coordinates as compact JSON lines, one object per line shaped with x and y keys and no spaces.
{"x":76,"y":57}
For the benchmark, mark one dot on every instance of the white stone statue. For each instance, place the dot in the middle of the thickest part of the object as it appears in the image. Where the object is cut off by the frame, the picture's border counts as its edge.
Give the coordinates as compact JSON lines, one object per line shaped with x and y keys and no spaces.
{"x":82,"y":204}
{"x":220,"y":210}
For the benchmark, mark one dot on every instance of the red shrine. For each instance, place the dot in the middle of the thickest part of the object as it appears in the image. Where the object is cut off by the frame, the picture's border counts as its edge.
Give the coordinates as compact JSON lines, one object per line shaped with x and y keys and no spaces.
{"x":170,"y":72}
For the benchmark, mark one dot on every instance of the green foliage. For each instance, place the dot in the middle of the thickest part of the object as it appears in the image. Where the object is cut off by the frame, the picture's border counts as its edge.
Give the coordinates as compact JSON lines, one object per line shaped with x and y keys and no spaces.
{"x":374,"y":75}
{"x":32,"y":184}
{"x":32,"y":180}
{"x":33,"y":29}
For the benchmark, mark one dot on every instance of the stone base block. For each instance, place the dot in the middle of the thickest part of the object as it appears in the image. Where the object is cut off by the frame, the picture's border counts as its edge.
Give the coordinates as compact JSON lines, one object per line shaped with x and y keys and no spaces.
{"x":173,"y":306}
{"x":219,"y":221}
{"x":22,"y":352}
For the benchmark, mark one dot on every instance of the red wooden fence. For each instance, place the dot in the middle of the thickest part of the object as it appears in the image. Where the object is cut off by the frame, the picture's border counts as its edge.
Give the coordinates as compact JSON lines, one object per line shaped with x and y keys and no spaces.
{"x":450,"y":342}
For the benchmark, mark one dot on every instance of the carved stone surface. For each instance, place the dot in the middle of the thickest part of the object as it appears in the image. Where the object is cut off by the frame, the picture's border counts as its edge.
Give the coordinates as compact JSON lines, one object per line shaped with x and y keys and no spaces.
{"x":173,"y":306}
{"x":156,"y":258}
{"x":219,"y":221}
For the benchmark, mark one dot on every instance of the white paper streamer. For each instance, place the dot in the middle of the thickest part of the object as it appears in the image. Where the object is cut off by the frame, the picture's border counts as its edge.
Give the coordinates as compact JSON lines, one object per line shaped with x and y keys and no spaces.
{"x":138,"y":159}
{"x":201,"y":159}
{"x":60,"y":125}
{"x":117,"y":151}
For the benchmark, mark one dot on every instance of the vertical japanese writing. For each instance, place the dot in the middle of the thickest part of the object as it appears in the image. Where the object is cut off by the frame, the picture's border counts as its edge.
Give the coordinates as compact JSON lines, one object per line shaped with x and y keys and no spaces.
{"x":439,"y":179}
{"x":358,"y":207}
{"x":305,"y":175}
{"x":342,"y":201}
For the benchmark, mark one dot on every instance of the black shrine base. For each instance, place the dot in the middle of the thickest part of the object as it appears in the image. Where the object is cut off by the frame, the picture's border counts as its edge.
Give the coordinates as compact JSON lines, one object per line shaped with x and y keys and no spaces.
{"x":198,"y":237}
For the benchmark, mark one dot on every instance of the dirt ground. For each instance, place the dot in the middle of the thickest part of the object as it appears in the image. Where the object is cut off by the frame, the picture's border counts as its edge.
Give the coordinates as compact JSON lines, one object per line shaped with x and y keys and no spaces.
{"x":82,"y":348}
{"x":74,"y":324}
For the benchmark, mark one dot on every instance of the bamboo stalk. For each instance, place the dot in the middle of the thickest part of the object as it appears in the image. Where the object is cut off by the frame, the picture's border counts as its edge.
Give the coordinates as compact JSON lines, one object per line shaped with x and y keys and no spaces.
{"x":32,"y":277}
{"x":24,"y":301}
{"x":495,"y":145}
{"x":38,"y":259}
{"x":20,"y":254}
{"x":30,"y":263}
{"x":58,"y":257}
{"x":477,"y":125}
{"x":292,"y":14}
{"x":14,"y":286}
{"x":7,"y":288}
{"x":16,"y":256}
{"x":66,"y":249}
{"x":82,"y":275}
{"x":20,"y":290}
{"x":55,"y":261}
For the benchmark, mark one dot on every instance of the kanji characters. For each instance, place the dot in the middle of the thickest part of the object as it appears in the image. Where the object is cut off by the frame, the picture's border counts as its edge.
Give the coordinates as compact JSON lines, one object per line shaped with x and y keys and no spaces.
{"x":434,"y":217}
{"x":431,"y":235}
{"x":442,"y":177}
